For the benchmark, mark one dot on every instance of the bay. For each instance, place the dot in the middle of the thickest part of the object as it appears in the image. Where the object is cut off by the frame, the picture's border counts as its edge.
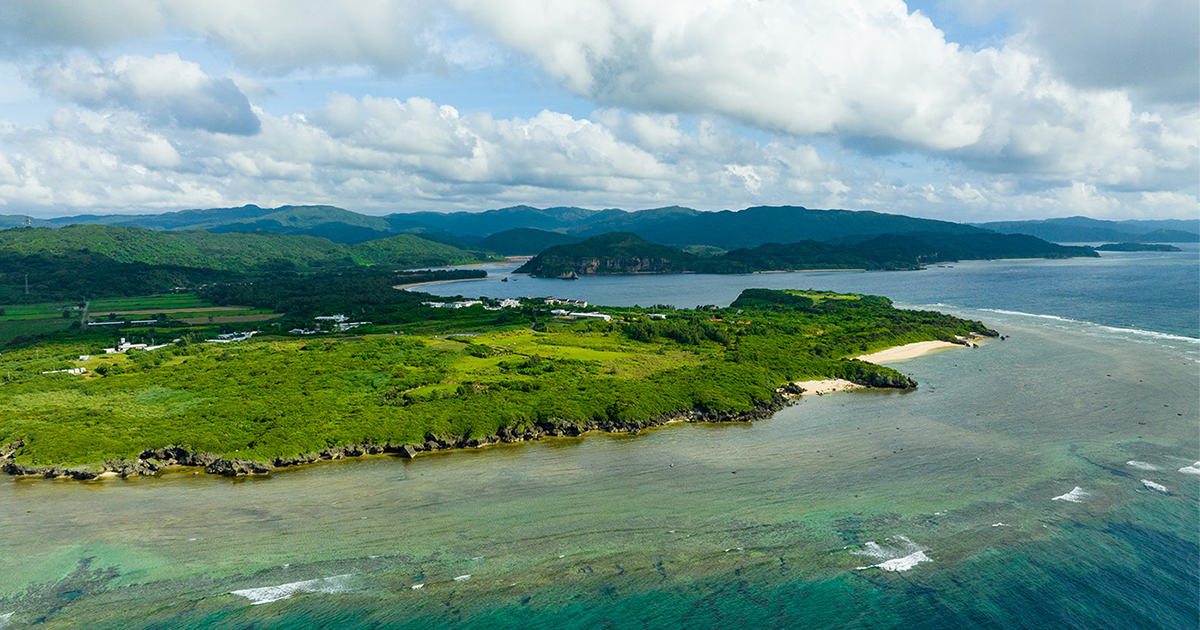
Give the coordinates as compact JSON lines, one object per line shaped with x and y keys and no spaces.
{"x":794,"y":521}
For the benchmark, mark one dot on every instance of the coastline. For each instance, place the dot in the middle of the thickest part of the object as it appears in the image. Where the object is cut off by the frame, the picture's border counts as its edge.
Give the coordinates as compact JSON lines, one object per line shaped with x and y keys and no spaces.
{"x":907,"y":351}
{"x":405,"y":287}
{"x":826,"y":386}
{"x":151,"y":461}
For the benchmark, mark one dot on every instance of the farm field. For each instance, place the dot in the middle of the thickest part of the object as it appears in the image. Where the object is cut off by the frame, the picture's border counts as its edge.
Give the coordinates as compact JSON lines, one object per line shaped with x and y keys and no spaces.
{"x":146,"y":303}
{"x":46,"y":318}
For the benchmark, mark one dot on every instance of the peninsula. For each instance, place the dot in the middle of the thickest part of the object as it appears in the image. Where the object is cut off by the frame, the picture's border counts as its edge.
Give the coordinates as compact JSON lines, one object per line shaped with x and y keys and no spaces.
{"x":426,"y":378}
{"x":619,"y":253}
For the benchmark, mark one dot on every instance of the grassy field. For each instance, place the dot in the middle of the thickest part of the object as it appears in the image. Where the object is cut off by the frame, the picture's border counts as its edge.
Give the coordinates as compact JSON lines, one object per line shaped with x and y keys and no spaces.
{"x":149,"y":303}
{"x":468,"y":373}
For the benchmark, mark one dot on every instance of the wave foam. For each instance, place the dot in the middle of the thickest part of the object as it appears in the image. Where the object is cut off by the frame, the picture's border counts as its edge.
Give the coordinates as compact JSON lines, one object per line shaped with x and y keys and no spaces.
{"x":1194,"y":469}
{"x":1133,"y":463}
{"x":1116,"y":329}
{"x":1038,"y":315}
{"x":1075,"y":496}
{"x":893,"y":560}
{"x":1157,"y":487}
{"x":5,"y":619}
{"x":268,"y":594}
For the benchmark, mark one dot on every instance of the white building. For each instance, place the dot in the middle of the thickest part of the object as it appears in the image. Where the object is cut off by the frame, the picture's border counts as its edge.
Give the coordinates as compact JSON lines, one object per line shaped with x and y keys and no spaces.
{"x":607,"y":318}
{"x":124,"y":347}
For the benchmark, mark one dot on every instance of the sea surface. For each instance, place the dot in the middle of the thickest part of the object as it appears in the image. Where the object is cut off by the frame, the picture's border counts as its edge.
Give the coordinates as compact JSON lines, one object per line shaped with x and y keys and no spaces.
{"x":1050,"y":480}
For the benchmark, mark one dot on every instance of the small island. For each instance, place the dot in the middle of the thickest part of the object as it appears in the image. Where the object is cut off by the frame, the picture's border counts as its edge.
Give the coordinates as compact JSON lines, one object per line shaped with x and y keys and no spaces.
{"x":1137,"y":247}
{"x":429,"y":375}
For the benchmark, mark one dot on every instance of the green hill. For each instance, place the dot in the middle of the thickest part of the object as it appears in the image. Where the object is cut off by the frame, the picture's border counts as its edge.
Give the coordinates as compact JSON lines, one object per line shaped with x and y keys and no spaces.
{"x":232,"y":251}
{"x":627,"y":253}
{"x":612,"y":253}
{"x":524,"y":241}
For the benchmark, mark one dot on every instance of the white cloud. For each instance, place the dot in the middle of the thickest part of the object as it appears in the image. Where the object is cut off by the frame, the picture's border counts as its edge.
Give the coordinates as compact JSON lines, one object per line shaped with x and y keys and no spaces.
{"x":966,"y":193}
{"x":863,"y":70}
{"x":1151,"y":47}
{"x":164,"y":87}
{"x":1002,"y":130}
{"x":270,"y":35}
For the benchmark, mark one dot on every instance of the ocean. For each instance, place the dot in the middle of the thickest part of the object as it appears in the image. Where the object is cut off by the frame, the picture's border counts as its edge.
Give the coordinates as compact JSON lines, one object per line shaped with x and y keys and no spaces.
{"x":1050,"y":480}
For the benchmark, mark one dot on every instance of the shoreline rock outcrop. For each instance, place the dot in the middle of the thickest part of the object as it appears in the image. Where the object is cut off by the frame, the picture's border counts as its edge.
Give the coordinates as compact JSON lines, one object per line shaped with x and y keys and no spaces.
{"x":151,"y":461}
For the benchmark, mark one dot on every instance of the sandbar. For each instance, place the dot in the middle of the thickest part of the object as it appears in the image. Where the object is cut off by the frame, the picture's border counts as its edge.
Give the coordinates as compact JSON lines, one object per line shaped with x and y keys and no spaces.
{"x":906,"y":351}
{"x":404,"y":287}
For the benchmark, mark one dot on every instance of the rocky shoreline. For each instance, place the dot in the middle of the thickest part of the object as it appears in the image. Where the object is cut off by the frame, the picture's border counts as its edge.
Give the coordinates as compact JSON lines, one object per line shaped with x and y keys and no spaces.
{"x":151,"y":461}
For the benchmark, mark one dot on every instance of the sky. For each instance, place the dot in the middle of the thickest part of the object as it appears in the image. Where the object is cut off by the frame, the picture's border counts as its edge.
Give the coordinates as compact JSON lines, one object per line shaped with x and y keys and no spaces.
{"x":968,"y":110}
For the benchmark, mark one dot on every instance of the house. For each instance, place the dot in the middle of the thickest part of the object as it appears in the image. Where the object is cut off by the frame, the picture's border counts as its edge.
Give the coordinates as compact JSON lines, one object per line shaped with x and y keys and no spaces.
{"x":550,"y":301}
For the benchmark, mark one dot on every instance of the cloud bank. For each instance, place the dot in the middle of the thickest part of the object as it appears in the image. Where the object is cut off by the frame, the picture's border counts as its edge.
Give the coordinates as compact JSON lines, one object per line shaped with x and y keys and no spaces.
{"x":710,"y":103}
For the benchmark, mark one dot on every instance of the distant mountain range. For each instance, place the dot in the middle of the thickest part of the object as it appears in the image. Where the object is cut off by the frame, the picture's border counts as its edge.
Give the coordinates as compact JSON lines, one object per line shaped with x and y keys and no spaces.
{"x":525,"y":230}
{"x":1085,"y":230}
{"x":520,"y":228}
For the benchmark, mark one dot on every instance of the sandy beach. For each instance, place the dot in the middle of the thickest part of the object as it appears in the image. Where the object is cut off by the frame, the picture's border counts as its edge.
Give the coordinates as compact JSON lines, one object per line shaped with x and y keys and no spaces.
{"x":827,"y":386}
{"x":907,"y":351}
{"x":403,"y":287}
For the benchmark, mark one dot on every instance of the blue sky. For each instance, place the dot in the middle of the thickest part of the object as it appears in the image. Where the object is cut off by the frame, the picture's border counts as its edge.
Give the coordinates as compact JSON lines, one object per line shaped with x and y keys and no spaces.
{"x":952,"y":109}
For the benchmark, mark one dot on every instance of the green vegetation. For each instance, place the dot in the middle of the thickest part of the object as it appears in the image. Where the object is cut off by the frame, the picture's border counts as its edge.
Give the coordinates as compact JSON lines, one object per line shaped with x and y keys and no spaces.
{"x":467,"y":372}
{"x":239,"y":252}
{"x":625,"y":253}
{"x":524,"y":241}
{"x":1137,"y":247}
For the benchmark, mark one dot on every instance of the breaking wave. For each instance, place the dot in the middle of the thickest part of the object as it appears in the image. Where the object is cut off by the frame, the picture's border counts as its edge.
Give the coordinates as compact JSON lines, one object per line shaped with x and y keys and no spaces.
{"x":1161,"y":336}
{"x":902,"y":558}
{"x":1075,"y":496}
{"x":267,"y":594}
{"x":1157,"y":487}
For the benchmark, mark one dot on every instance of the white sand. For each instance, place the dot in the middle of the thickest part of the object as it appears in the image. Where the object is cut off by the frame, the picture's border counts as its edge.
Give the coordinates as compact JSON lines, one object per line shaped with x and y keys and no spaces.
{"x":827,"y":386}
{"x":906,"y":351}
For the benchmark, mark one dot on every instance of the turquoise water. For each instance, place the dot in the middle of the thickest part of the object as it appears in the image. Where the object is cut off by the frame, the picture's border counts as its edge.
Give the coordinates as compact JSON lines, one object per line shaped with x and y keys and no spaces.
{"x":708,"y":526}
